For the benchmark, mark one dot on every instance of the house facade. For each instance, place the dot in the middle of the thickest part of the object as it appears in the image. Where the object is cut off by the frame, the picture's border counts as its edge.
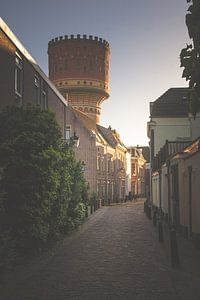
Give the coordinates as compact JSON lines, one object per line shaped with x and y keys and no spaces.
{"x":138,"y":164}
{"x":175,"y":188}
{"x":175,"y":165}
{"x":169,"y":119}
{"x":23,"y":82}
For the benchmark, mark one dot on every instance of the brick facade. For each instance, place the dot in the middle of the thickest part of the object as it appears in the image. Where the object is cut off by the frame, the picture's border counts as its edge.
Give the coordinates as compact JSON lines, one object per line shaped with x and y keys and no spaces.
{"x":79,"y":67}
{"x":22,"y":81}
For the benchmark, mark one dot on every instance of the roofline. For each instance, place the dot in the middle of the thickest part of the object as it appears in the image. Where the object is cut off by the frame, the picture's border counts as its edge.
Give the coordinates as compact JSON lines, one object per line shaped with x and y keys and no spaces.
{"x":4,"y":27}
{"x":169,"y":89}
{"x":166,"y":117}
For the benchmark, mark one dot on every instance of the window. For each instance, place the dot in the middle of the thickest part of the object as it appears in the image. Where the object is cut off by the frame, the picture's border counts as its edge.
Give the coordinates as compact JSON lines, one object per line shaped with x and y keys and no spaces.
{"x":44,"y":100}
{"x":67,"y":132}
{"x":99,"y":161}
{"x":133,"y":168}
{"x":103,"y":164}
{"x":109,"y":165}
{"x":99,"y":188}
{"x":18,"y":75}
{"x":37,"y":90}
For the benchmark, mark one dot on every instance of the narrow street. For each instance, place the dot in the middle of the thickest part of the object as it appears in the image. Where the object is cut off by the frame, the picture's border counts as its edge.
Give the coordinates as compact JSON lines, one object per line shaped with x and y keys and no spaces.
{"x":115,"y":255}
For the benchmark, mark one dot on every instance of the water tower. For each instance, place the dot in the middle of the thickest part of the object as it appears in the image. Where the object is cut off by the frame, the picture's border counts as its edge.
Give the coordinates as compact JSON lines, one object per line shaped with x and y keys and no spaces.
{"x":79,"y":67}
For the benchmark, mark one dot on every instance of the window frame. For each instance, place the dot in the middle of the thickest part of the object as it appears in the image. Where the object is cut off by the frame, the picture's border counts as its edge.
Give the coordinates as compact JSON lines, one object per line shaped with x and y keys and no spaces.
{"x":69,"y":135}
{"x":18,"y":78}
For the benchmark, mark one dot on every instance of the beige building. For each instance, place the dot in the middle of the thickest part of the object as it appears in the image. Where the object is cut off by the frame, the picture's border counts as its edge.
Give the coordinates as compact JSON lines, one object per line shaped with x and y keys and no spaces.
{"x":138,"y":164}
{"x":103,"y":156}
{"x":169,"y":119}
{"x":185,"y":190}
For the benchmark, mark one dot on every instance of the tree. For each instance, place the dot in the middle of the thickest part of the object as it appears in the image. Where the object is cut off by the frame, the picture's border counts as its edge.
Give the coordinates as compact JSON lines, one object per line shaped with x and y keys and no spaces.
{"x":190,"y":56}
{"x":37,"y":175}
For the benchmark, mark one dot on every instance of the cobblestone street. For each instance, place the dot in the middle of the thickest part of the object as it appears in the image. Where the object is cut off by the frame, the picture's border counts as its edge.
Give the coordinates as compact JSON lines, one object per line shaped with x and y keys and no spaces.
{"x":114,"y":255}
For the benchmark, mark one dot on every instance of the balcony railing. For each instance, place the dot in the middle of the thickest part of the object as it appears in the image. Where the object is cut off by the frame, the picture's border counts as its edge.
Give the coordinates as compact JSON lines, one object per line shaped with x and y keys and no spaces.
{"x":169,"y":149}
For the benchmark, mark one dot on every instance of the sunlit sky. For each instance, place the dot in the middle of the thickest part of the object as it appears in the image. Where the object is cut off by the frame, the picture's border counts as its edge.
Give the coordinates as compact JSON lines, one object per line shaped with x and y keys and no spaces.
{"x":145,"y":38}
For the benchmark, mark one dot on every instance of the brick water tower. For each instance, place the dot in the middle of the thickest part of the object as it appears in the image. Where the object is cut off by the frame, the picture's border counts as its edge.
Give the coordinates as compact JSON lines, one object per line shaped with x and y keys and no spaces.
{"x":79,"y":67}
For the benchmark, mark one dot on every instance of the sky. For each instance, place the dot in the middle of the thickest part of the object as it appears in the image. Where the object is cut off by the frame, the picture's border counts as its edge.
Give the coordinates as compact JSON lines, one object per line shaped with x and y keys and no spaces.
{"x":145,"y":37}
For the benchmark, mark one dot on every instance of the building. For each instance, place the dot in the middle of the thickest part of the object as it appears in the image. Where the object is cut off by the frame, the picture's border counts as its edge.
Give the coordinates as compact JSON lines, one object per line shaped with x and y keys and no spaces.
{"x":103,"y":156}
{"x":169,"y":119}
{"x":168,"y":122}
{"x":137,"y":171}
{"x":23,"y":82}
{"x":175,"y":162}
{"x":175,"y":186}
{"x":160,"y":175}
{"x":146,"y":155}
{"x":79,"y":68}
{"x":184,"y":198}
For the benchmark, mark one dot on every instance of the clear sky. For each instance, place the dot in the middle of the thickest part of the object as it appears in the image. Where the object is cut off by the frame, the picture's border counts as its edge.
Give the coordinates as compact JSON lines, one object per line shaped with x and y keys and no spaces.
{"x":145,"y":38}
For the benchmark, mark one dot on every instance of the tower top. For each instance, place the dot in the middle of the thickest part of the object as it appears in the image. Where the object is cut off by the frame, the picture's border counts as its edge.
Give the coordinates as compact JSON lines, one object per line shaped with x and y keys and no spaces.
{"x":79,"y":37}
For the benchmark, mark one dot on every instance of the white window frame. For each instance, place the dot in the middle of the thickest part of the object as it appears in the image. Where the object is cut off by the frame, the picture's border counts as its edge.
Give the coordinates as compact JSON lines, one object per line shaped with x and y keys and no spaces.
{"x":37,"y":90}
{"x":68,"y":131}
{"x":44,"y":100}
{"x":18,"y":74}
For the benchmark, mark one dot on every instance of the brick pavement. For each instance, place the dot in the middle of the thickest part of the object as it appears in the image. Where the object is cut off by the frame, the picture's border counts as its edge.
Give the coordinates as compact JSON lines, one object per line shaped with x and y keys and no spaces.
{"x":115,"y":255}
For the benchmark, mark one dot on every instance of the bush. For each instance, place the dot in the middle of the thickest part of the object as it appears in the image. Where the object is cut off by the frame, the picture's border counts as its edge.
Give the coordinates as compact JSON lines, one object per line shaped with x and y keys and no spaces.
{"x":42,"y":188}
{"x":7,"y":252}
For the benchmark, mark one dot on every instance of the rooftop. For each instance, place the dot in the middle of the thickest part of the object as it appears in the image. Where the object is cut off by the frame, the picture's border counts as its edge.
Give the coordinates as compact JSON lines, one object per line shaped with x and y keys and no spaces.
{"x":173,"y":103}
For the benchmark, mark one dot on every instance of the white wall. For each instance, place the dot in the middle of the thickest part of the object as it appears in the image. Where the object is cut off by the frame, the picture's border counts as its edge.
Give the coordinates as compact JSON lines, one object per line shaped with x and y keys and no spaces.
{"x":195,"y":126}
{"x":171,"y":129}
{"x":155,"y":190}
{"x":128,"y":174}
{"x":164,"y":189}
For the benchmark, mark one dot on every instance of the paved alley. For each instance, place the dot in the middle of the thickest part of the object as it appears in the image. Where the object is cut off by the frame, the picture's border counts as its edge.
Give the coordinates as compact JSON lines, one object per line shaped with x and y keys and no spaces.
{"x":115,"y":255}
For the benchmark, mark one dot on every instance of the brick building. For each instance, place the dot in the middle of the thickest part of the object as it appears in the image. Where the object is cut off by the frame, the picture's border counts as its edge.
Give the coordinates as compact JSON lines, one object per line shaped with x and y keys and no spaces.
{"x":22,"y":81}
{"x":100,"y":149}
{"x":79,"y":68}
{"x":138,"y":164}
